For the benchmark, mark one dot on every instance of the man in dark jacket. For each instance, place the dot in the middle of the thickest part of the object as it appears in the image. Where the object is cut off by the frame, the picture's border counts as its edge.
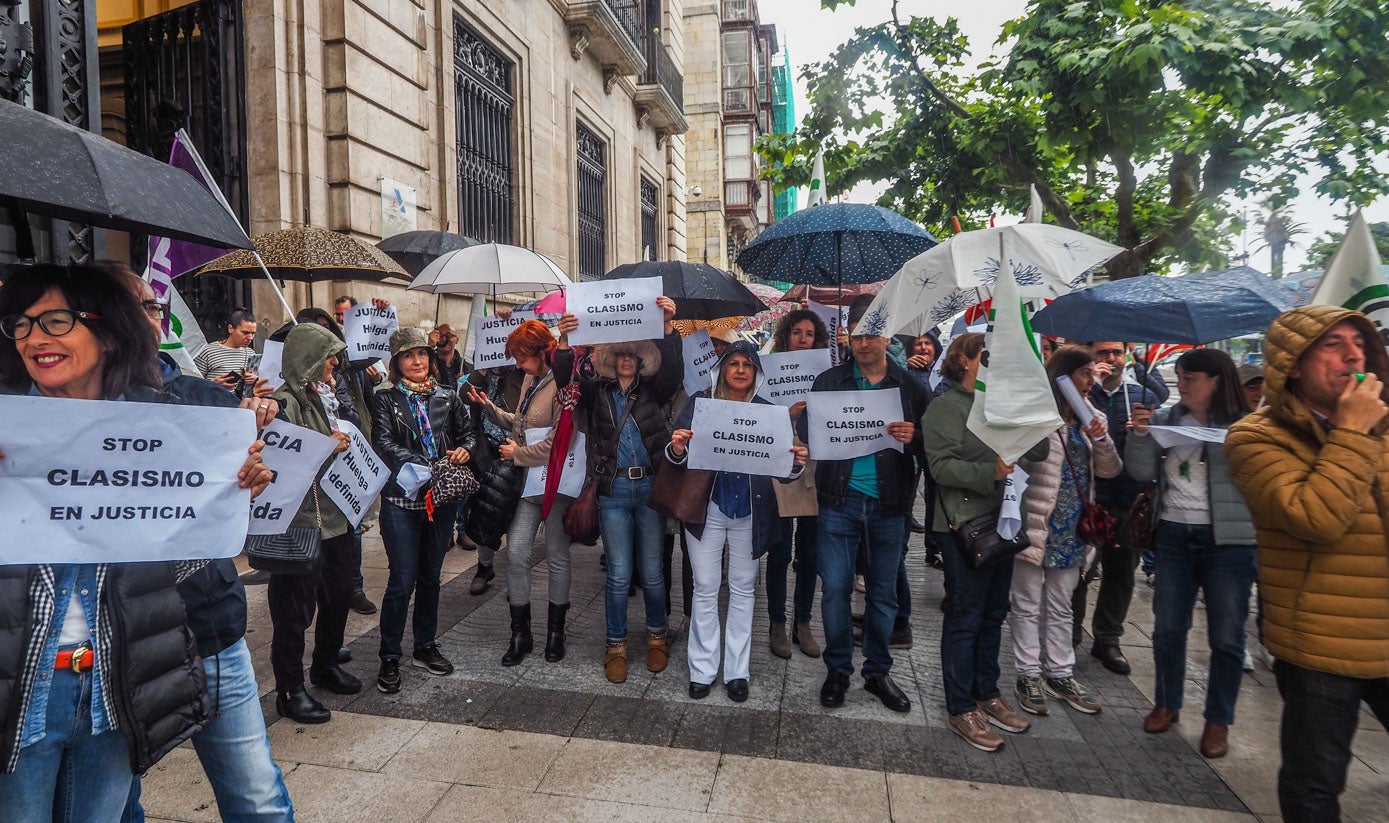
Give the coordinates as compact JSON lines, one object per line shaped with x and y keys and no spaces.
{"x":865,"y":499}
{"x":1115,"y":396}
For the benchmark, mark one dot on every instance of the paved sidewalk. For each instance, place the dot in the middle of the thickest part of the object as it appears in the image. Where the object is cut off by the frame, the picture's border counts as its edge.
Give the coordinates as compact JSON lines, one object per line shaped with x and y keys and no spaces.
{"x":547,"y":741}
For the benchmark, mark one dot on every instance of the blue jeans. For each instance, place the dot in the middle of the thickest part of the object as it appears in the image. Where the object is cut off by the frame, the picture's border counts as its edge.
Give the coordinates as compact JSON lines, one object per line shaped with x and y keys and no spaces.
{"x":841,"y":530}
{"x":415,"y":550}
{"x":233,"y":748}
{"x":973,"y":628}
{"x":69,"y":774}
{"x":1188,"y":559}
{"x":632,"y":528}
{"x":802,"y":544}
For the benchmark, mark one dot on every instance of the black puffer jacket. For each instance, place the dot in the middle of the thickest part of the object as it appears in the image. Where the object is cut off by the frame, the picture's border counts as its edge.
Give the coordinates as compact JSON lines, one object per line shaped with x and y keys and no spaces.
{"x":396,"y":435}
{"x":597,"y":410}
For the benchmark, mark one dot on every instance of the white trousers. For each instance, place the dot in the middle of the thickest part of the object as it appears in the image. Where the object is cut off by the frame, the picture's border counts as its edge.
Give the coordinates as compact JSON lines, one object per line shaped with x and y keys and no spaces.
{"x":706,"y":561}
{"x":1041,"y":619}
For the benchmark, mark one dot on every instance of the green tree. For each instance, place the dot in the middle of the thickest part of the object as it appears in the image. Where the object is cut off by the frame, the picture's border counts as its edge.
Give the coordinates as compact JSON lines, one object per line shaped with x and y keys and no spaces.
{"x":1137,"y":120}
{"x":1321,"y":251}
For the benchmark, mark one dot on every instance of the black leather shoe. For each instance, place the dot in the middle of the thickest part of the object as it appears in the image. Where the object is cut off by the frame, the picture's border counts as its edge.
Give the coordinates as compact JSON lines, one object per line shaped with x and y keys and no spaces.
{"x":915,"y":526}
{"x":1112,"y":657}
{"x":737,"y":690}
{"x":699,"y":691}
{"x":888,"y":692}
{"x":334,"y":679}
{"x":300,"y":707}
{"x":832,"y":692}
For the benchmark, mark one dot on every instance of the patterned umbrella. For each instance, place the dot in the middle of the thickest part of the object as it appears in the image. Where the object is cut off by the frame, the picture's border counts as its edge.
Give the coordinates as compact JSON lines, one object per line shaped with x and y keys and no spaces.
{"x":829,"y":295}
{"x":767,"y":294}
{"x":835,"y":244}
{"x":689,"y":327}
{"x":768,"y":318}
{"x":309,"y":255}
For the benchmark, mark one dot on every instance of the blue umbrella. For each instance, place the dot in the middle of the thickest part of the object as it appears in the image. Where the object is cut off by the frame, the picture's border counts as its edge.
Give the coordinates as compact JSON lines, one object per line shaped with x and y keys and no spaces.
{"x":835,"y":244}
{"x":1194,"y":308}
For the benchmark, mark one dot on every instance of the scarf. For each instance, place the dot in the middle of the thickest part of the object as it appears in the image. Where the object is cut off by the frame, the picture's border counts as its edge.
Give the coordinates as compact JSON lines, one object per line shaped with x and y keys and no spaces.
{"x":417,"y":394}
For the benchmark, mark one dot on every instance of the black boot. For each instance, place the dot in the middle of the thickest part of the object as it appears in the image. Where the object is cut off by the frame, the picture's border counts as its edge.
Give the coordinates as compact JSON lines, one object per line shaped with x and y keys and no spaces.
{"x":521,"y":641}
{"x":299,"y":706}
{"x":554,"y":638}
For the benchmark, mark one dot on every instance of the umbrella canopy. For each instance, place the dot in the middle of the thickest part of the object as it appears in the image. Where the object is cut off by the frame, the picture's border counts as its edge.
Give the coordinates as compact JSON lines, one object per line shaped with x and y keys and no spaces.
{"x":835,"y":244}
{"x":61,"y":171}
{"x":414,"y":250}
{"x":831,"y":295}
{"x":309,"y":255}
{"x":767,"y":294}
{"x":700,"y":291}
{"x":491,"y":268}
{"x":1194,"y":308}
{"x":938,"y":284}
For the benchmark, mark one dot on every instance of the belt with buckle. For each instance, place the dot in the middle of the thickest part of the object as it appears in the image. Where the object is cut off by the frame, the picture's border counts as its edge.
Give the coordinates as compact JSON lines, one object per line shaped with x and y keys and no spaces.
{"x":638,"y":472}
{"x":79,"y":659}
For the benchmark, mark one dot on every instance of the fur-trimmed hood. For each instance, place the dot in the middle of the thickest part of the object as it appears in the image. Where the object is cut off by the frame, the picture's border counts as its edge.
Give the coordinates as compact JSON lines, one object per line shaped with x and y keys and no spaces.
{"x":605,"y":356}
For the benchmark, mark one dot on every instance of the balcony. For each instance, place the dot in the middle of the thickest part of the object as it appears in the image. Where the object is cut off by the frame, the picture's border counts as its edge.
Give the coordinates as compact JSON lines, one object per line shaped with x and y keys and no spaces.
{"x":660,"y":94}
{"x":740,"y":200}
{"x":611,"y":30}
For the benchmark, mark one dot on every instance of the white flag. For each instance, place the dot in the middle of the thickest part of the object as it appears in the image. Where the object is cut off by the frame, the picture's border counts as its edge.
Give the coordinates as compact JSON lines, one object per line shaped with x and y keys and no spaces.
{"x":1355,"y":279}
{"x":817,"y":181}
{"x":1035,"y":210}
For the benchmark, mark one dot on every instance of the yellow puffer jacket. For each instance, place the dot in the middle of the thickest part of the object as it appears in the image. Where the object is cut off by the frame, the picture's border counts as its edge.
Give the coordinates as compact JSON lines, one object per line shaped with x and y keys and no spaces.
{"x":1319,"y":497}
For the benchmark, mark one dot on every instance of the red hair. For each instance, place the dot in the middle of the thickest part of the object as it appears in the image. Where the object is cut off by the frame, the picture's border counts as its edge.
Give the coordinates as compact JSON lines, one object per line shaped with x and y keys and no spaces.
{"x":531,"y":339}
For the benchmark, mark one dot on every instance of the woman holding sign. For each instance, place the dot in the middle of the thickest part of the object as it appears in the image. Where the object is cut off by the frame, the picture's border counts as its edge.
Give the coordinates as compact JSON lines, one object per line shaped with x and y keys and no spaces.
{"x":620,"y":410}
{"x":739,"y":508}
{"x":308,"y":398}
{"x":1045,"y":574}
{"x":99,"y":672}
{"x":801,"y":330}
{"x":417,"y":422}
{"x":1205,"y":540}
{"x":532,"y":346}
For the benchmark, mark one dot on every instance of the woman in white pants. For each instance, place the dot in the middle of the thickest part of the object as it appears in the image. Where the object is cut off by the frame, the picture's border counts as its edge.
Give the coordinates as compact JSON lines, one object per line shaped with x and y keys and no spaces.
{"x":1046,"y":572}
{"x":742,"y":511}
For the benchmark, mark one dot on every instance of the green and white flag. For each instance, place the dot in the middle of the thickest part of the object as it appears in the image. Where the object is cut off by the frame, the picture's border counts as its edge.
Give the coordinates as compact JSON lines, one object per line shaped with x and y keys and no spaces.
{"x":1355,"y":278}
{"x":183,"y":338}
{"x":817,"y":181}
{"x":1014,"y":408}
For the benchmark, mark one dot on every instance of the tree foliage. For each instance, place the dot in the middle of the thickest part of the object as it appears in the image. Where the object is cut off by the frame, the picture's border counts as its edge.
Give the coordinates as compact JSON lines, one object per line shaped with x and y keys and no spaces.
{"x":1321,"y":251}
{"x":1137,"y":120}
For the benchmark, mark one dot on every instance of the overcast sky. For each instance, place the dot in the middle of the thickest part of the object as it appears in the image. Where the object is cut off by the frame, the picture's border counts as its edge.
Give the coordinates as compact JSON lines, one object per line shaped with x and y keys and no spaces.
{"x":811,"y":34}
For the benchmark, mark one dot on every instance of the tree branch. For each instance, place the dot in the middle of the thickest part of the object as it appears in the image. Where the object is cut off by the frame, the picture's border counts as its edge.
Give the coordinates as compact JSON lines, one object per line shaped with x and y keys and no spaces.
{"x":1126,"y":230}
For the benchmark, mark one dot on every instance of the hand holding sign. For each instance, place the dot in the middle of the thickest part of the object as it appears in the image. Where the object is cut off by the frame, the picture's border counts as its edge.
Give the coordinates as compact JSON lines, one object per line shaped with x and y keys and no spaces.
{"x":616,"y":311}
{"x":848,"y":424}
{"x":368,"y":329}
{"x":751,"y":438}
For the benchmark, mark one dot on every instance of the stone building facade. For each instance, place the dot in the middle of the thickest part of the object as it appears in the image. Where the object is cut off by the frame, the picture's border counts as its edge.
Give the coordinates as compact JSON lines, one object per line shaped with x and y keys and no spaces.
{"x":551,"y":124}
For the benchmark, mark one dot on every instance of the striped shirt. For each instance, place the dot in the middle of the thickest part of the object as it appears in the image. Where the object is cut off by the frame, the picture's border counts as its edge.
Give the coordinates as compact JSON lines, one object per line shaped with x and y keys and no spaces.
{"x":215,"y":360}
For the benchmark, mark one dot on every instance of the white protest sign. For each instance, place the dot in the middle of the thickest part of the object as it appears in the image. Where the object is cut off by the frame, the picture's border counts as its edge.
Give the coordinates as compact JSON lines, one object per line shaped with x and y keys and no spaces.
{"x":1010,"y":516}
{"x":571,"y":482}
{"x":1169,"y":436}
{"x":833,"y":317}
{"x":272,"y":362}
{"x":791,"y":373}
{"x":95,"y":481}
{"x":848,"y":424}
{"x":616,"y":311}
{"x":1076,"y":402}
{"x":355,"y":476}
{"x":700,"y":358}
{"x":489,"y":335}
{"x":295,"y":455}
{"x":368,"y":331}
{"x":752,"y":438}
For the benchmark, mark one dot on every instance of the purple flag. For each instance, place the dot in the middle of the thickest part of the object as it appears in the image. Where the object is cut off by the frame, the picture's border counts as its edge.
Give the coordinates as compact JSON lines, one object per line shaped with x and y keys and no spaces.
{"x":181,"y":256}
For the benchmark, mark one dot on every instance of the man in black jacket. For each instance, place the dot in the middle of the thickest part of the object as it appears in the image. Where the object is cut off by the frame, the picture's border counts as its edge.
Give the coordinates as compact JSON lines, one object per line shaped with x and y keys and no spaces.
{"x":867,"y":500}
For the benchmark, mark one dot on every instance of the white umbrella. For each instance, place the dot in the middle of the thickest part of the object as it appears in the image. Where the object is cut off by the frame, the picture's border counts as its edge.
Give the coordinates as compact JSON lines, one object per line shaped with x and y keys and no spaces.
{"x":491,"y":268}
{"x":939,"y":283}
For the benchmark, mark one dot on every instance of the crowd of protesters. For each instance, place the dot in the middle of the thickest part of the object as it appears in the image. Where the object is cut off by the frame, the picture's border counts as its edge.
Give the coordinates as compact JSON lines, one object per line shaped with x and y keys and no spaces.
{"x":1295,"y":498}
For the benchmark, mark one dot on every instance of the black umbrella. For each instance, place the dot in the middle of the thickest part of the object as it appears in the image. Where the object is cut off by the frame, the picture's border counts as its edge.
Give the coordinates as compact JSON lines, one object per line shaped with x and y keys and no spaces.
{"x":414,"y":250}
{"x":61,"y":171}
{"x":700,"y":291}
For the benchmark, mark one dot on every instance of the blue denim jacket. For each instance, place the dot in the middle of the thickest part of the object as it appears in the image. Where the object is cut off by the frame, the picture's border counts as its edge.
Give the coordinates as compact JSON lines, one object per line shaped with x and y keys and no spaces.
{"x":81,"y":580}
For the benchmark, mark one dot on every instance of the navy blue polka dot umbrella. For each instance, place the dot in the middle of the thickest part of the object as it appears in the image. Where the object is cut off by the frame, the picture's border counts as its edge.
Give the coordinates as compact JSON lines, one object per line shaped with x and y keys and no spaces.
{"x":834,"y":244}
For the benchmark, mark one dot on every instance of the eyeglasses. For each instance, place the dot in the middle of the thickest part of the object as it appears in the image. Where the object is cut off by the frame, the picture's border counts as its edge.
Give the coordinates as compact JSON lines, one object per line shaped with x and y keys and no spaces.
{"x":1109,"y":352}
{"x":155,"y":309}
{"x":54,"y":322}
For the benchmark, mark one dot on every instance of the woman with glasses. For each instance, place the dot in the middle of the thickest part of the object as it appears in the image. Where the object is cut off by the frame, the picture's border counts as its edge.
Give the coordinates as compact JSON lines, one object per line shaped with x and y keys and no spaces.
{"x":75,"y":698}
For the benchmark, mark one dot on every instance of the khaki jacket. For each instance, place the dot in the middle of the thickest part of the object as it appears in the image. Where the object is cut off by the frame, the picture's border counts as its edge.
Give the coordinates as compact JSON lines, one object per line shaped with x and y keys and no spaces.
{"x":1318,"y":497}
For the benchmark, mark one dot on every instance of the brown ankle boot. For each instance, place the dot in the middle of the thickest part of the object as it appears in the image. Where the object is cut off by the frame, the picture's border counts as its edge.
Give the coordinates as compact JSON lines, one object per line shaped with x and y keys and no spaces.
{"x":657,"y":651}
{"x":1215,"y":740}
{"x":1160,"y":719}
{"x":615,"y":662}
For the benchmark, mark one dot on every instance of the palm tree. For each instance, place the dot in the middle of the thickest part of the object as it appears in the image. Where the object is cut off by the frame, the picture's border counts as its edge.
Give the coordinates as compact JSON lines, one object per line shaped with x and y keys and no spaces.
{"x":1279,"y":231}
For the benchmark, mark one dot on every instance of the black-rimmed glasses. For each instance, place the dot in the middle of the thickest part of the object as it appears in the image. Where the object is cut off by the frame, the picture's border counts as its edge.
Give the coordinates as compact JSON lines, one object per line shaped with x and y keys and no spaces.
{"x":54,"y":322}
{"x":155,"y":309}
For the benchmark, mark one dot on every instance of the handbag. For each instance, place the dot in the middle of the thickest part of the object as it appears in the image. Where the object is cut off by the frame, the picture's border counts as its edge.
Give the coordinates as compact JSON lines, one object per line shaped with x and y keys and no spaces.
{"x":680,"y":492}
{"x":297,"y":551}
{"x":581,"y":518}
{"x":980,"y":543}
{"x":1096,"y":526}
{"x":451,"y":482}
{"x":1138,"y":529}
